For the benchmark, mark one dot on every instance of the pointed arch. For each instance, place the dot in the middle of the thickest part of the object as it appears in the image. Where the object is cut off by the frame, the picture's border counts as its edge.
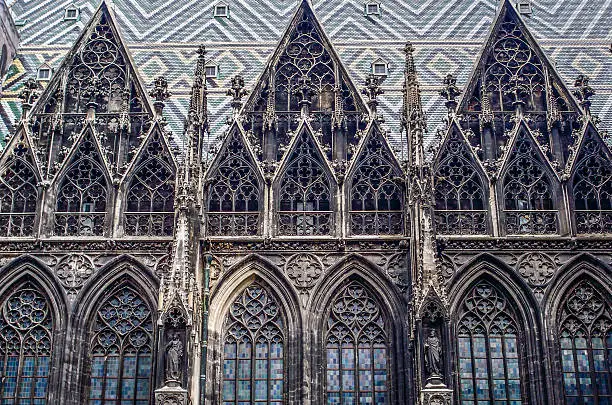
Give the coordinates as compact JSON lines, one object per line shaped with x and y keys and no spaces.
{"x":529,"y":189}
{"x":150,"y":193}
{"x":305,"y":190}
{"x":357,"y":327}
{"x":592,"y":185}
{"x":83,"y":191}
{"x":19,"y":194}
{"x":460,"y":188}
{"x":235,"y":189}
{"x":32,"y":324}
{"x":255,"y":355}
{"x":375,"y":192}
{"x":115,"y":316}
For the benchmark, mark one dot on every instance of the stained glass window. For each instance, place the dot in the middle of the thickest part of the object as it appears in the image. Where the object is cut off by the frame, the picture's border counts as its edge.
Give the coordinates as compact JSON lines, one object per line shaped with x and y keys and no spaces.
{"x":459,"y":192}
{"x":26,"y":325}
{"x":18,"y":195}
{"x":305,"y":192}
{"x":528,"y":192}
{"x":585,"y":339}
{"x":489,"y":348}
{"x":150,"y":198}
{"x":254,"y":350}
{"x":376,"y":195}
{"x":357,"y":369}
{"x":592,"y":185}
{"x":234,"y":192}
{"x":83,"y":193}
{"x":121,"y":350}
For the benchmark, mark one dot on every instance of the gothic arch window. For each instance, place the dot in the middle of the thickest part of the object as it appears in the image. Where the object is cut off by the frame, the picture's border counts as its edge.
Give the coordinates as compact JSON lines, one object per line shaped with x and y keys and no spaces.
{"x":121,"y":350}
{"x":26,"y":341}
{"x":459,"y":192}
{"x":234,"y":193}
{"x":357,"y":349}
{"x":376,"y":196}
{"x":82,"y":194}
{"x":592,"y":187}
{"x":528,"y":192}
{"x":585,"y":340}
{"x":489,"y":348}
{"x":254,"y":349}
{"x":150,"y":196}
{"x":305,"y":194}
{"x":18,"y":195}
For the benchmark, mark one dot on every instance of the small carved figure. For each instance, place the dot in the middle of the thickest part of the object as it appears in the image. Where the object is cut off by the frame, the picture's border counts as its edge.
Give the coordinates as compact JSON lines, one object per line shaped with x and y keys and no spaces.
{"x":174,"y":354}
{"x":433,"y":353}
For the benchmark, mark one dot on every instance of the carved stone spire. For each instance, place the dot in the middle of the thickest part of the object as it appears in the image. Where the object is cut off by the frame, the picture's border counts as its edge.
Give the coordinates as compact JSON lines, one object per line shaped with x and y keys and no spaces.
{"x":29,"y":95}
{"x":237,"y":91}
{"x":160,"y":94}
{"x":450,"y":92}
{"x":413,"y":119}
{"x":305,"y":92}
{"x":372,"y":90}
{"x":584,"y":92}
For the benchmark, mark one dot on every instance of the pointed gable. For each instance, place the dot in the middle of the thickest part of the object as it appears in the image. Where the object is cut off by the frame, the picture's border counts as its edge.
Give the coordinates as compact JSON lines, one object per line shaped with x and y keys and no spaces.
{"x":512,"y":67}
{"x":305,"y":68}
{"x":97,"y":72}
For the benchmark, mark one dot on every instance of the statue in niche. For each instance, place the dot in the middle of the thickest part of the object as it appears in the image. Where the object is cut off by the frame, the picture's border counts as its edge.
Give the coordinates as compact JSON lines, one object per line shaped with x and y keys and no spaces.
{"x":174,"y":355}
{"x":433,"y":354}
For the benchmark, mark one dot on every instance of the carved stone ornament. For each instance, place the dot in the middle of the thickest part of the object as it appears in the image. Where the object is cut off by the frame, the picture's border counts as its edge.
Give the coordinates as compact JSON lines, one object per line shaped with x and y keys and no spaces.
{"x":304,"y":269}
{"x":73,"y":270}
{"x":171,"y":396}
{"x":436,"y":398}
{"x":536,"y":268}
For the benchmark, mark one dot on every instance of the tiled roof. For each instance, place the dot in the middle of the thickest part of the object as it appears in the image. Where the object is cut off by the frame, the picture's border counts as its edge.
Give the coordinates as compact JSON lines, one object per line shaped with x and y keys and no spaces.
{"x":163,"y":37}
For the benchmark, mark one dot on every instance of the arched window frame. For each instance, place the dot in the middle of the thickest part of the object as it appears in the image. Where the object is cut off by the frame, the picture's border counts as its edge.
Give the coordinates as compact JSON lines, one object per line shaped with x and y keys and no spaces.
{"x":565,"y":318}
{"x":304,"y":221}
{"x":247,"y":222}
{"x":109,"y":293}
{"x":592,"y":215}
{"x":20,"y":219}
{"x":88,"y":221}
{"x":375,"y":157}
{"x":539,"y":216}
{"x":470,"y":219}
{"x":152,"y":221}
{"x":521,"y":341}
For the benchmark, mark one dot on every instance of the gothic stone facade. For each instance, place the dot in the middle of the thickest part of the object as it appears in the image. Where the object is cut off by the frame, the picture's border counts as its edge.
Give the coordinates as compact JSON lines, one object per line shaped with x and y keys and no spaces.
{"x":299,"y":259}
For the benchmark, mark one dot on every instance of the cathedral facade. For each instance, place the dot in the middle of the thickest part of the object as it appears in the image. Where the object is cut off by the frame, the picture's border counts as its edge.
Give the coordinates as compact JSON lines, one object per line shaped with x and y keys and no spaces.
{"x":312,"y":249}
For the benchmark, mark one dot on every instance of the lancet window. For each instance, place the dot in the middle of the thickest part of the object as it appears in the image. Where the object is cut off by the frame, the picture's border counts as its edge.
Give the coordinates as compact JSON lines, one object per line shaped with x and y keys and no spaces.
{"x":459,"y":192}
{"x":150,"y":197}
{"x":120,"y":352}
{"x":234,"y":193}
{"x":82,"y":195}
{"x":18,"y":195}
{"x":585,"y":339}
{"x":254,"y":350}
{"x":528,"y":192}
{"x":489,"y":348}
{"x":26,"y":341}
{"x":357,"y":347}
{"x":305,"y":195}
{"x":592,"y":187}
{"x":376,"y":193}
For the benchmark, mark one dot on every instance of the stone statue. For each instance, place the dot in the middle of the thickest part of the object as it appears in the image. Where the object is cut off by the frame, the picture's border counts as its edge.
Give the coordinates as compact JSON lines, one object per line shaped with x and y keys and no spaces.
{"x":174,"y":355}
{"x":433,"y":354}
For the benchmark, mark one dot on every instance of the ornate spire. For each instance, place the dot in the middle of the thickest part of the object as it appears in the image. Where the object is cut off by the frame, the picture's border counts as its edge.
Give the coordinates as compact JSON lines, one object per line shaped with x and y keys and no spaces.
{"x":584,"y":92}
{"x":198,"y":108}
{"x":450,"y":92}
{"x":237,"y":91}
{"x":160,"y":94}
{"x":372,"y":90}
{"x":29,"y":95}
{"x":413,"y":117}
{"x":305,"y":92}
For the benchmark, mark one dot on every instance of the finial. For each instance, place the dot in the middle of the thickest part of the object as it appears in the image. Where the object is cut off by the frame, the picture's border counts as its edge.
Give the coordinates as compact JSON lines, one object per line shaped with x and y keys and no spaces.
{"x":91,"y":93}
{"x":28,"y":96}
{"x":450,"y":92}
{"x":584,"y":92}
{"x":160,"y":94}
{"x":201,"y":51}
{"x":518,"y":92}
{"x":305,"y":92}
{"x":409,"y":51}
{"x":237,"y":91}
{"x":372,"y":90}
